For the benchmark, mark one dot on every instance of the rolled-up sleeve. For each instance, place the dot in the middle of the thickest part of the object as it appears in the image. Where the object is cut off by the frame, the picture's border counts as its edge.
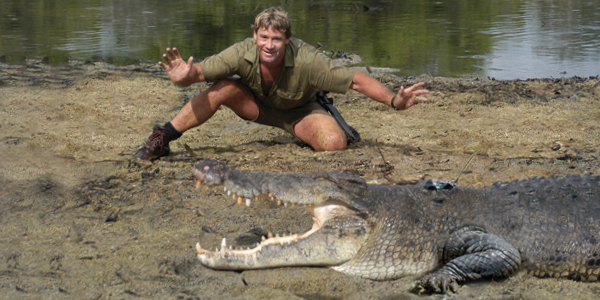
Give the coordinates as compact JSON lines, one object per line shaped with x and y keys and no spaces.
{"x":330,"y":75}
{"x":222,"y":65}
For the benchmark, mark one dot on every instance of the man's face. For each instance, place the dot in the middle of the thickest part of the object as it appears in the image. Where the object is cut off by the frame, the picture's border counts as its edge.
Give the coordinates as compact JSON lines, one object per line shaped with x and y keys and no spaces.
{"x":271,"y":45}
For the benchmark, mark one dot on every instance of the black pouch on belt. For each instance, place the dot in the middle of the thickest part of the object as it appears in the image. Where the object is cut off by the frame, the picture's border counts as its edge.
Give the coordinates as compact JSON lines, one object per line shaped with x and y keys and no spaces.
{"x":327,"y":104}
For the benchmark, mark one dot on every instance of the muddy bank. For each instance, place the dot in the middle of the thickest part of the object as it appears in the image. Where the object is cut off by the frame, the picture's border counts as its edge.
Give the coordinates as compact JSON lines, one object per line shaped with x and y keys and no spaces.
{"x":79,"y":219}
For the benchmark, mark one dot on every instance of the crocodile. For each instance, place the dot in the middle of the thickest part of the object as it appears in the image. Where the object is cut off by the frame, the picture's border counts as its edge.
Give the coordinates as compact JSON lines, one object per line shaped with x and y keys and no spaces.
{"x":549,"y":227}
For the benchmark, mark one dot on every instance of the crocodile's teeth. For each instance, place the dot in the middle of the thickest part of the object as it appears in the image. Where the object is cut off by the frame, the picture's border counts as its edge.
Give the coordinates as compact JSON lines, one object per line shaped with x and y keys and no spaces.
{"x":285,"y":204}
{"x":278,"y":202}
{"x":262,"y":238}
{"x":247,"y":202}
{"x":199,"y":248}
{"x":239,"y":200}
{"x":198,"y":183}
{"x":223,"y":246}
{"x":269,"y":235}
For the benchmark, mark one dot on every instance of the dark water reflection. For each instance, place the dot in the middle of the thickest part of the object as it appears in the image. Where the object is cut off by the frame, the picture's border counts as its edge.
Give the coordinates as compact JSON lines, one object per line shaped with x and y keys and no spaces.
{"x":498,"y":38}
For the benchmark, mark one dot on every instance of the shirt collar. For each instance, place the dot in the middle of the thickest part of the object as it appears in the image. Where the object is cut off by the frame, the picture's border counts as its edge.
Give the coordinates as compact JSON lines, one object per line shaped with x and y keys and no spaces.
{"x":252,"y":56}
{"x":290,"y":52}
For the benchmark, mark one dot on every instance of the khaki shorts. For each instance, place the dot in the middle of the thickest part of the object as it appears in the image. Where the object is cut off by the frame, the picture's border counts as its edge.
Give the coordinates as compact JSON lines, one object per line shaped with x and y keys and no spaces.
{"x":286,"y":119}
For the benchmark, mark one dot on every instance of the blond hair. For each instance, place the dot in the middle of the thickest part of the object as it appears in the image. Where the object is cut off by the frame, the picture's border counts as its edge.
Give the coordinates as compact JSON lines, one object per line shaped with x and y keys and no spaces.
{"x":275,"y":18}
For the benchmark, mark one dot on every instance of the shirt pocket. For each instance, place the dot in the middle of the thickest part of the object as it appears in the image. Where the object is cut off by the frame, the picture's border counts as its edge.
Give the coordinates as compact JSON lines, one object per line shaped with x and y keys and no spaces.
{"x":289,"y":99}
{"x":290,"y":95}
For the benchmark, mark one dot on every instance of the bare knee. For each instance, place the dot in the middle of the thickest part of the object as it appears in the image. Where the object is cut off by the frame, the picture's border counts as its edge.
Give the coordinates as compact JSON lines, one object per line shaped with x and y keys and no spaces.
{"x":321,"y":132}
{"x":331,"y":141}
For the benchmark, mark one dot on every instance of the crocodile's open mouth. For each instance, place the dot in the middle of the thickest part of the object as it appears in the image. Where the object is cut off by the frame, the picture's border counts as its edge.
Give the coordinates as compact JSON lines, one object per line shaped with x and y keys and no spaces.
{"x":319,"y":213}
{"x":338,"y":232}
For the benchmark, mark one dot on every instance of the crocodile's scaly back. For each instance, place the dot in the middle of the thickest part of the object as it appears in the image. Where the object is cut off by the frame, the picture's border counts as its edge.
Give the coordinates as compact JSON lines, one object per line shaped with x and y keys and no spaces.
{"x":555,"y":222}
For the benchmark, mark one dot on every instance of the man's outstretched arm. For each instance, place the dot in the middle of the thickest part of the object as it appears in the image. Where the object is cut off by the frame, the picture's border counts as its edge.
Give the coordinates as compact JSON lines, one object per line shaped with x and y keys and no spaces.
{"x":375,"y":90}
{"x":182,"y":73}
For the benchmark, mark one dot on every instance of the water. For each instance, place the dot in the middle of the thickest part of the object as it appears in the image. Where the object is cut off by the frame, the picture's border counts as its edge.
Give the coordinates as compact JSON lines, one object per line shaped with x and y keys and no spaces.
{"x":505,"y":39}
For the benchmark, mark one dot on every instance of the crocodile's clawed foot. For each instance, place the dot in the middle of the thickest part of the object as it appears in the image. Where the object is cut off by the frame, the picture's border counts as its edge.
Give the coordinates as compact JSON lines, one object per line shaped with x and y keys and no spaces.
{"x":436,"y":283}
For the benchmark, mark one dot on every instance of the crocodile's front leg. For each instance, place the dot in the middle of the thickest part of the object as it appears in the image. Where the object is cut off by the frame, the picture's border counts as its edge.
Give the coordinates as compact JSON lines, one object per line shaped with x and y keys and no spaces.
{"x":472,"y":254}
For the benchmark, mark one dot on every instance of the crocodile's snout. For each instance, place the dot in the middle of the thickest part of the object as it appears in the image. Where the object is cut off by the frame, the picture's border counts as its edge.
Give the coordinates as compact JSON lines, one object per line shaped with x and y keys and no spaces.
{"x":210,"y":172}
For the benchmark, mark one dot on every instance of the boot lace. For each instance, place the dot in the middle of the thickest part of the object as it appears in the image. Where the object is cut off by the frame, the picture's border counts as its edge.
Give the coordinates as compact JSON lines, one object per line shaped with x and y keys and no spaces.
{"x":156,"y":139}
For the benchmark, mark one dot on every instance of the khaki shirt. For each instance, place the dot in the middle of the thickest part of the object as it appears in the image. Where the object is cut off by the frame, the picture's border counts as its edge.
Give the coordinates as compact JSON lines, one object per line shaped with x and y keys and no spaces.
{"x":305,"y":70}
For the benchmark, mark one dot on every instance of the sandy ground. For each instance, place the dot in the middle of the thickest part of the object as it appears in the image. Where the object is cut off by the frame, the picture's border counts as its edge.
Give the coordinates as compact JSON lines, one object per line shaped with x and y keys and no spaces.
{"x":80,"y":220}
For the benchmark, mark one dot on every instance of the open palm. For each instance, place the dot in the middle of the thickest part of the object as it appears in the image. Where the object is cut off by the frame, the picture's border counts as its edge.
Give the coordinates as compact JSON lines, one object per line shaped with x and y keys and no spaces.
{"x":408,"y":97}
{"x":178,"y":70}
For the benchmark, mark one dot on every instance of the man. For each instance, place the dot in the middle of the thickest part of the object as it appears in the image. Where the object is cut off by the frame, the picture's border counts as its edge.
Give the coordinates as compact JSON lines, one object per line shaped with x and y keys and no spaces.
{"x":279,"y":77}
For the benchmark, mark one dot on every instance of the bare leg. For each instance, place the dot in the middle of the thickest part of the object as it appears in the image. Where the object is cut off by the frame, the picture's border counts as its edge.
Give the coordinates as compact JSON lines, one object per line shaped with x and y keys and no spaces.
{"x":228,"y":92}
{"x":321,"y":132}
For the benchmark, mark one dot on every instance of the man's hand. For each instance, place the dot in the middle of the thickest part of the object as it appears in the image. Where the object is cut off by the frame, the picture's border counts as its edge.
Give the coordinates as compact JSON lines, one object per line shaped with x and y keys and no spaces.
{"x":180,"y":72}
{"x":406,"y":98}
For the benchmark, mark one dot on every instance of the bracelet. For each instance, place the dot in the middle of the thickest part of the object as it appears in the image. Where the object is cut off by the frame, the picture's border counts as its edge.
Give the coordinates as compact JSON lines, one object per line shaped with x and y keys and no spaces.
{"x":394,"y":98}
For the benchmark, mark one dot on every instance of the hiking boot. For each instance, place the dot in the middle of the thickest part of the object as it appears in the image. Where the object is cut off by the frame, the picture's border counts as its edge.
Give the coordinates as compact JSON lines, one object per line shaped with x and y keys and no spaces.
{"x":157,"y":145}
